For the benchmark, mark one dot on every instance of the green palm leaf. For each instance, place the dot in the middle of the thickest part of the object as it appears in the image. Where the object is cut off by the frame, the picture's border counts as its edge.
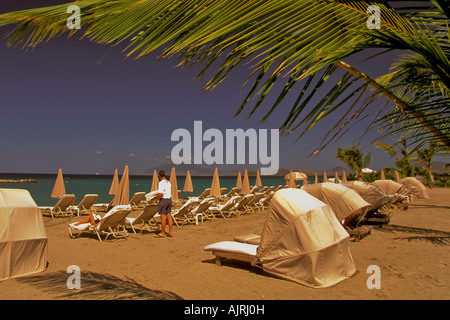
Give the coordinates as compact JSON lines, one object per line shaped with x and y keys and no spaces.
{"x":295,"y":40}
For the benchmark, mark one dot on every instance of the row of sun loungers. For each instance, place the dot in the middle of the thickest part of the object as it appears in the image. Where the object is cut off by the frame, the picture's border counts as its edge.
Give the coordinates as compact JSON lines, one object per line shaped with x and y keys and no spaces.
{"x":194,"y":209}
{"x":197,"y":209}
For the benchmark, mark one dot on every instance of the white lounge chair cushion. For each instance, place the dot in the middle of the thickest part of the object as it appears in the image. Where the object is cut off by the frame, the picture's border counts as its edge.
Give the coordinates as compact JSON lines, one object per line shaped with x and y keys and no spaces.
{"x":80,"y":227}
{"x":234,"y":247}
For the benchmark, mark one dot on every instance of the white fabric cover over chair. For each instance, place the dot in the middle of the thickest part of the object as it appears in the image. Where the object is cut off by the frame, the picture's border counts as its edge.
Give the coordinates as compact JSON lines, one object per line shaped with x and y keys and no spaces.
{"x":303,"y":241}
{"x":23,"y":240}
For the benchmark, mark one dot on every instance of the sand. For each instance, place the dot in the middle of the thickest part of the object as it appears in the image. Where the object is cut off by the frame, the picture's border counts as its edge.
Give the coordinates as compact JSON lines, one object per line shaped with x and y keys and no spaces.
{"x":412,"y":253}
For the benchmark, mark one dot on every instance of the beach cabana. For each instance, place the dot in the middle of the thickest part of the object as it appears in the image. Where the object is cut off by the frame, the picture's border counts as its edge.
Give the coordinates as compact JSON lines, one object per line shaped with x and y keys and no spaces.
{"x":346,"y":203}
{"x":23,"y":239}
{"x":416,"y":187}
{"x":369,"y":192}
{"x":389,"y":187}
{"x":301,"y":241}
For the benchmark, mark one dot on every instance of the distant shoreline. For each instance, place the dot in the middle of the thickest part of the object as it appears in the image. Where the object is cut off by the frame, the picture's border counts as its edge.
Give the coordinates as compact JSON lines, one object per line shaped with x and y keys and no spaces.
{"x":18,"y":181}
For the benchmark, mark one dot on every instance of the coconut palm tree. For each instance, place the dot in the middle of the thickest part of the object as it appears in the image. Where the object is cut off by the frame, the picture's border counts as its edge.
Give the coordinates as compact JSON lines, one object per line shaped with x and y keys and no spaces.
{"x":355,"y":159}
{"x":302,"y":43}
{"x":403,"y":155}
{"x":425,"y":156}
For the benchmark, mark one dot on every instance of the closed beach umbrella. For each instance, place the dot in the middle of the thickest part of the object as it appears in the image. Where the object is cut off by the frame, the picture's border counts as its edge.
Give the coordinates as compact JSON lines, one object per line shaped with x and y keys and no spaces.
{"x":325,"y":178}
{"x":215,"y":186}
{"x":122,"y":196}
{"x":397,"y":177}
{"x":296,"y":175}
{"x":173,"y":183}
{"x":245,"y":188}
{"x":155,"y":181}
{"x":344,"y":176}
{"x":59,"y":189}
{"x":336,"y":178}
{"x":291,"y":180}
{"x":305,"y":181}
{"x":316,"y":179}
{"x":114,"y":184}
{"x":258,"y":182}
{"x":188,"y":187}
{"x":239,"y":181}
{"x":383,"y":177}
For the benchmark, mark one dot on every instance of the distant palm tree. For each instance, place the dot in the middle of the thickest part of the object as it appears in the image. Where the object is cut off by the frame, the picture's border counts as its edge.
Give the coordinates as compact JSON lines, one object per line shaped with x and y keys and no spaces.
{"x":296,"y":42}
{"x":425,"y":156}
{"x":355,"y":159}
{"x":403,"y":156}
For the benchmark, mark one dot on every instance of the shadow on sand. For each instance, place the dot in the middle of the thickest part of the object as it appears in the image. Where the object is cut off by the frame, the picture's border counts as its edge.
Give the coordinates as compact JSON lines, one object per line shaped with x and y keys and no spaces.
{"x":436,"y":237}
{"x":96,"y":286}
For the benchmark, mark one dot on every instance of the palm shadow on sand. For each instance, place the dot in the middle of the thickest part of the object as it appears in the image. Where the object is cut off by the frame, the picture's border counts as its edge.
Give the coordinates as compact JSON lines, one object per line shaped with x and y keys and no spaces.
{"x":96,"y":286}
{"x":436,"y":237}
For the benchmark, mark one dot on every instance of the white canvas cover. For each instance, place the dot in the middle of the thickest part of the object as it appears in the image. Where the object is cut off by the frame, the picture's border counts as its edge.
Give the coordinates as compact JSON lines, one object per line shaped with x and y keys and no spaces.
{"x":303,"y":241}
{"x":346,"y":203}
{"x":417,"y":187}
{"x":23,"y":240}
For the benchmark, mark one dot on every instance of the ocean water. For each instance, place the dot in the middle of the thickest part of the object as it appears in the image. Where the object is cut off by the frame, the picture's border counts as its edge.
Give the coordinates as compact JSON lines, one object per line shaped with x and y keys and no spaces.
{"x":79,"y":185}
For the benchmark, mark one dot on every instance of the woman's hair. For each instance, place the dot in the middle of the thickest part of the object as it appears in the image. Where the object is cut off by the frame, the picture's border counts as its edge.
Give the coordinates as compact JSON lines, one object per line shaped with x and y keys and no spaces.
{"x":162,"y":174}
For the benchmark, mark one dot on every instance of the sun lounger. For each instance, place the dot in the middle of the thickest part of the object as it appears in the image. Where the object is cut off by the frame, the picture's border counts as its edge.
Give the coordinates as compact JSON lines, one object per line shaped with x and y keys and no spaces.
{"x":263,"y":189}
{"x":226,"y":208}
{"x":248,"y":238}
{"x":199,"y":210}
{"x":240,"y":206}
{"x":150,"y":198}
{"x":181,"y":213}
{"x":254,"y":189}
{"x":136,"y":200}
{"x":252,"y":204}
{"x":203,"y":195}
{"x":231,"y":192}
{"x":232,"y":250}
{"x":269,"y":190}
{"x":278,"y":188}
{"x":86,"y":205}
{"x":143,"y":218}
{"x":265,"y":202}
{"x":107,"y":224}
{"x":62,"y":207}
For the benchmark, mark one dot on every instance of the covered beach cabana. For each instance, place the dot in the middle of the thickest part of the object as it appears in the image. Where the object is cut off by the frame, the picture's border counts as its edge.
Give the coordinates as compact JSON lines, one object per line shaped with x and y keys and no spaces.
{"x":23,"y":239}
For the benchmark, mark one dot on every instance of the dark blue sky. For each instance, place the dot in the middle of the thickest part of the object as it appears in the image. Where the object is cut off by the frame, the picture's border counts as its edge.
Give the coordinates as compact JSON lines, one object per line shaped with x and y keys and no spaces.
{"x":61,"y":108}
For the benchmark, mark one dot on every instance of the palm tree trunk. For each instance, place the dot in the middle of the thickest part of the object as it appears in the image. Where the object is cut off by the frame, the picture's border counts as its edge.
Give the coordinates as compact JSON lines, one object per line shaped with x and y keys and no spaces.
{"x":415,"y":114}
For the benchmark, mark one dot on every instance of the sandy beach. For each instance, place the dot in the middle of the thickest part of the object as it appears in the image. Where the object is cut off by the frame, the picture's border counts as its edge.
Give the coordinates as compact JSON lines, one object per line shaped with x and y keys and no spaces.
{"x":412,"y":253}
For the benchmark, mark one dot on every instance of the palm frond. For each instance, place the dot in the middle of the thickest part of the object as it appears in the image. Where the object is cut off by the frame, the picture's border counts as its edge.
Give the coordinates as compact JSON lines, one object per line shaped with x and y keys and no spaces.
{"x":292,"y":41}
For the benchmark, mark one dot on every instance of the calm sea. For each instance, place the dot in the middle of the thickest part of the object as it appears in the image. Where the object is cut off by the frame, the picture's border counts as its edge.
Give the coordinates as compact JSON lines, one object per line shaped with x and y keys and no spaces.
{"x":100,"y":184}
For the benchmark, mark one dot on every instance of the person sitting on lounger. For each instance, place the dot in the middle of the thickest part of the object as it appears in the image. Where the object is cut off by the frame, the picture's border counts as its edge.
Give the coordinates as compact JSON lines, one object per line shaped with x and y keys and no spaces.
{"x":93,"y":219}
